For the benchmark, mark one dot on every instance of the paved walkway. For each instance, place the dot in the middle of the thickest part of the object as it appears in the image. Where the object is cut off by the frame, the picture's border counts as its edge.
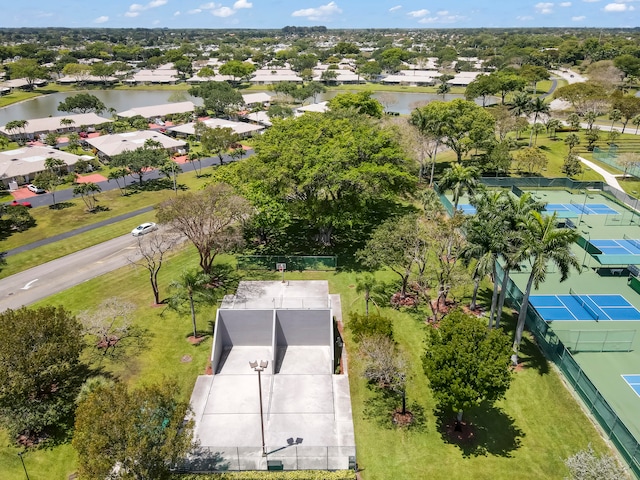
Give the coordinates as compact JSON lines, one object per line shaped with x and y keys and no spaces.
{"x":610,"y":178}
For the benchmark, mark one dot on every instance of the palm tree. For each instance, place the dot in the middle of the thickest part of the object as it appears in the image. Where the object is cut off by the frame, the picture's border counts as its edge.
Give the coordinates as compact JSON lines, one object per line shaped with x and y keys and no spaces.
{"x":537,"y":106}
{"x":636,"y":122}
{"x":460,"y":180}
{"x":364,"y":286}
{"x":88,"y":193}
{"x":590,"y":117}
{"x":521,"y":104}
{"x":192,"y":288}
{"x":615,"y":116}
{"x":572,"y":140}
{"x":543,"y":243}
{"x":67,"y":122}
{"x":430,"y":127}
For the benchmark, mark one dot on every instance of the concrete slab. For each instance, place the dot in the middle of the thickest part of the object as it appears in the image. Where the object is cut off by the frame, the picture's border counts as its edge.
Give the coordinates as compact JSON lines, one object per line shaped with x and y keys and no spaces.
{"x":235,"y":361}
{"x":301,"y":394}
{"x":296,"y":294}
{"x":237,"y":394}
{"x":309,"y":360}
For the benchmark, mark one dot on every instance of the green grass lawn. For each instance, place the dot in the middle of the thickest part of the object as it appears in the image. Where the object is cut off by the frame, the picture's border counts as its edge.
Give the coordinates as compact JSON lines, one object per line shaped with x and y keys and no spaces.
{"x":527,"y":435}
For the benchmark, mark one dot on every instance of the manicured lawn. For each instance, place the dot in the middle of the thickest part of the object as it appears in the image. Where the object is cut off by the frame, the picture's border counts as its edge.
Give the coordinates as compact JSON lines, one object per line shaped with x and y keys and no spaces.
{"x":527,"y":435}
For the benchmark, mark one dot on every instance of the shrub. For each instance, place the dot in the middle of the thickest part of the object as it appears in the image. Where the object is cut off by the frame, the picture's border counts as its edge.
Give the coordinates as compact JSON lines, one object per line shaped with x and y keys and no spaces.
{"x":364,"y":326}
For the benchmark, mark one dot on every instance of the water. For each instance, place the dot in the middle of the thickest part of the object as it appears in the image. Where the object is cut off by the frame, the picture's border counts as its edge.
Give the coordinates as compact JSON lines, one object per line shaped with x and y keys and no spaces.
{"x":120,"y":100}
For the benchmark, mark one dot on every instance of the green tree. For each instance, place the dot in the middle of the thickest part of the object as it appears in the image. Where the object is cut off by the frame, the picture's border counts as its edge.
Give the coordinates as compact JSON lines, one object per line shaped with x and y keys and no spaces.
{"x":18,"y":126}
{"x":572,"y":140}
{"x":533,"y":74}
{"x":210,"y":219}
{"x":28,"y":69}
{"x":80,"y":73}
{"x":572,"y":165}
{"x":393,"y":245}
{"x":466,"y":363}
{"x":40,"y":369}
{"x":582,"y":96}
{"x":629,"y":64}
{"x":531,"y":159}
{"x":329,"y":170}
{"x":143,"y":431}
{"x":237,"y":69}
{"x":538,"y":106}
{"x":364,"y":286}
{"x":574,"y":121}
{"x":482,"y":87}
{"x":459,"y":179}
{"x":543,"y":244}
{"x":138,"y":161}
{"x":463,"y":124}
{"x":362,"y":326}
{"x":361,"y":102}
{"x":615,"y":115}
{"x":592,"y":135}
{"x":218,"y":141}
{"x":219,"y":97}
{"x":629,"y":107}
{"x":103,"y":71}
{"x":117,"y":174}
{"x":88,"y":193}
{"x":50,"y":181}
{"x":82,"y":103}
{"x":506,"y":82}
{"x":192,"y":288}
{"x":279,"y":111}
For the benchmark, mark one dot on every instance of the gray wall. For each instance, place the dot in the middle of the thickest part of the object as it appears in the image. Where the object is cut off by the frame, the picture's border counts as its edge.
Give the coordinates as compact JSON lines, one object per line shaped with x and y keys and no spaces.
{"x":217,"y":342}
{"x":246,"y":327}
{"x":304,"y":327}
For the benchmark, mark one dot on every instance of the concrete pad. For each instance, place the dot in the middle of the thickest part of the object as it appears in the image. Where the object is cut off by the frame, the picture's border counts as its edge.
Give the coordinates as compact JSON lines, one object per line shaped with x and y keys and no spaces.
{"x":309,"y":360}
{"x":295,"y":294}
{"x":237,"y":394}
{"x":302,"y":394}
{"x":235,"y":361}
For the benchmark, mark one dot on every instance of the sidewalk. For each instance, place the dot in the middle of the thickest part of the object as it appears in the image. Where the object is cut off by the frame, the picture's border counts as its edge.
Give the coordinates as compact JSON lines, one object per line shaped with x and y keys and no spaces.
{"x":609,"y":178}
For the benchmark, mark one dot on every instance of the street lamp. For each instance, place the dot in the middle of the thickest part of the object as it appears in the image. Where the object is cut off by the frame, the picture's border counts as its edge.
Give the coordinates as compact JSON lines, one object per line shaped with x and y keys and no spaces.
{"x":23,"y":466}
{"x":259,"y":367}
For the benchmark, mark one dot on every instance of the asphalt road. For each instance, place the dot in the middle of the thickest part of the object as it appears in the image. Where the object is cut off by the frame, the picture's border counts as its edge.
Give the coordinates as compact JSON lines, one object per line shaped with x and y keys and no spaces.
{"x":44,"y":280}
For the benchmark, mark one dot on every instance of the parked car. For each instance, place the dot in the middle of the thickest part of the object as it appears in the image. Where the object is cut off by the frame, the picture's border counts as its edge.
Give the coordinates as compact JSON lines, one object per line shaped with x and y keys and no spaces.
{"x":35,"y":189}
{"x":16,"y":203}
{"x":144,"y":228}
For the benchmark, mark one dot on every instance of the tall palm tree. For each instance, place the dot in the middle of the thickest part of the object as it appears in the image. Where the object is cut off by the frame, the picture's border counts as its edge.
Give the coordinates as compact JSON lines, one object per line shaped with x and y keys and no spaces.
{"x":515,"y":210}
{"x":190,"y":287}
{"x":520,"y":105}
{"x":538,"y":106}
{"x":543,"y":243}
{"x":432,"y":127}
{"x":364,"y":286}
{"x":460,"y":180}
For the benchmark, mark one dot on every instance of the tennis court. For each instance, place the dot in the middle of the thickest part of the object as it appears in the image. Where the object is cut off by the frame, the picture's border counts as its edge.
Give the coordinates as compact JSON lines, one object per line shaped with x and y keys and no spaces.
{"x":625,"y":246}
{"x":633,"y":381}
{"x":578,"y":208}
{"x":583,"y":307}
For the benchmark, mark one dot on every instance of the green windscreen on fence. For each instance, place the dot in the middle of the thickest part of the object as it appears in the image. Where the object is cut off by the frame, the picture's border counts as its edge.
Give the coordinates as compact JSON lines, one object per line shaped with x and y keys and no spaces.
{"x":634,"y":283}
{"x":292,"y":262}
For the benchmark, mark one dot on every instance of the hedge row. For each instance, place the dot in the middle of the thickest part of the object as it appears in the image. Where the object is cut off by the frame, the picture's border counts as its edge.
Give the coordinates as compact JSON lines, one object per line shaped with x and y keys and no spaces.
{"x":288,"y":475}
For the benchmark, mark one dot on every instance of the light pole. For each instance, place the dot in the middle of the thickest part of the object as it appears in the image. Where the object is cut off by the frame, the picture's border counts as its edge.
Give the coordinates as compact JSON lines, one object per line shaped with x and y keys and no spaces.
{"x":23,"y":466}
{"x":259,"y":367}
{"x":584,"y":203}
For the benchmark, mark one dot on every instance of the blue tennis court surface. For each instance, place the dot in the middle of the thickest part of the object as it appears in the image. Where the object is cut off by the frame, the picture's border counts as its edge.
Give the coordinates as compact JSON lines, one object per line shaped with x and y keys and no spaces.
{"x":617,"y":247}
{"x":583,"y":307}
{"x":574,"y":208}
{"x":633,"y":381}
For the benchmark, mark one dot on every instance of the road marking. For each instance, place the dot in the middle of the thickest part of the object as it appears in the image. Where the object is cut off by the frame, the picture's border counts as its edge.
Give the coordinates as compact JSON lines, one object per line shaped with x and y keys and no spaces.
{"x":28,"y":285}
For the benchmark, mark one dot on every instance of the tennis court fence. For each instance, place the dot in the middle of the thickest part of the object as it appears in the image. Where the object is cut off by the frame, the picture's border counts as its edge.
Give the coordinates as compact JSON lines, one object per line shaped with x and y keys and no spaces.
{"x":293,"y":262}
{"x":598,"y":341}
{"x":555,"y":350}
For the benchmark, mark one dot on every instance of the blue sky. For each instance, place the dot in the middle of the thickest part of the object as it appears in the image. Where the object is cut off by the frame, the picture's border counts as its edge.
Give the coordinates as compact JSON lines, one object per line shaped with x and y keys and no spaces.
{"x":333,"y":14}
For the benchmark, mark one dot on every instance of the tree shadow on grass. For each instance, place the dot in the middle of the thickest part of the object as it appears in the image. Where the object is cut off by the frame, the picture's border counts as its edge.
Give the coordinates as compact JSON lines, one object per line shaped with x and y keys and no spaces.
{"x":485,"y":431}
{"x":382,"y":404}
{"x":61,"y":205}
{"x":529,"y":355}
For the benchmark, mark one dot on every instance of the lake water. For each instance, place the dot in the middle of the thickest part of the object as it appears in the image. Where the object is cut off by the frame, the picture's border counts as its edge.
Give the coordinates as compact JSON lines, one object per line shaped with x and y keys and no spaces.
{"x":120,"y":100}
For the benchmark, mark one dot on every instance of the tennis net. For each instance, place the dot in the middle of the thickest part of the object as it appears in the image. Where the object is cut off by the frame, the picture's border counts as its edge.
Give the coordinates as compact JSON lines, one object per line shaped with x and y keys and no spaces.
{"x":632,"y":241}
{"x":581,"y":207}
{"x":584,"y":304}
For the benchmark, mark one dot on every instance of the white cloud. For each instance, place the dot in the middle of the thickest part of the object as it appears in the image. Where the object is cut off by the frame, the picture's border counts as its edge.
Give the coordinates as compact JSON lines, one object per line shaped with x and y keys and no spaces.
{"x":579,"y":18}
{"x":397,"y":7}
{"x":544,"y":7}
{"x":208,"y":6}
{"x":419,"y":13}
{"x":524,"y":18}
{"x":318,"y":13}
{"x":195,"y":11}
{"x":443,"y":13}
{"x":565,"y":4}
{"x":177,"y":13}
{"x":590,"y":1}
{"x":223,"y":12}
{"x":101,"y":19}
{"x":442,"y":19}
{"x":242,"y":4}
{"x":618,"y":7}
{"x":136,"y":8}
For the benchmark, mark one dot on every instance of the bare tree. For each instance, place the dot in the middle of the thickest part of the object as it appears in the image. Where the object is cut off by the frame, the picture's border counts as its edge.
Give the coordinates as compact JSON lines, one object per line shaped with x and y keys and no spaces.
{"x":385,"y":365}
{"x":150,"y":253}
{"x":111,"y":327}
{"x":210,"y":219}
{"x":422,"y":146}
{"x":587,"y":465}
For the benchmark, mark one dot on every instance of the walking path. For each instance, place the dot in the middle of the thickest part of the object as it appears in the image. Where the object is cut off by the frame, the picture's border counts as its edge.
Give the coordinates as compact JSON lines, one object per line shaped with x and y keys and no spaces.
{"x":610,"y":178}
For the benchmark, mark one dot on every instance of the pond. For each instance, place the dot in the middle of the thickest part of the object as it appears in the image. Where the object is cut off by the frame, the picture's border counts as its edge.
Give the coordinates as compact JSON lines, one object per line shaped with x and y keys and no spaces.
{"x":120,"y":100}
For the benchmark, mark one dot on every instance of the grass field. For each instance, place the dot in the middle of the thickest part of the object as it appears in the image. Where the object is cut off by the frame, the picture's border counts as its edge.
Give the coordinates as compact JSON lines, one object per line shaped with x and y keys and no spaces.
{"x":528,"y":434}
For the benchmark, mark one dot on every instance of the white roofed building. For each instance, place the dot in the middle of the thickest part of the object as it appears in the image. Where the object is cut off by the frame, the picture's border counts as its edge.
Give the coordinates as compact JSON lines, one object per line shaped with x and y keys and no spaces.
{"x":242,"y":129}
{"x":110,"y":145}
{"x":255,"y":99}
{"x":463,"y":79}
{"x":267,"y":76}
{"x":156,"y":111}
{"x":41,"y":126}
{"x":22,"y":165}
